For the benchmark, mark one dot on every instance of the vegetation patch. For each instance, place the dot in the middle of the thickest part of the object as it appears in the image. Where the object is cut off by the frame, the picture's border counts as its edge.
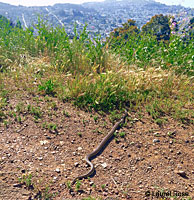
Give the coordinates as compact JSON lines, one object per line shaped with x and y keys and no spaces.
{"x":133,"y":69}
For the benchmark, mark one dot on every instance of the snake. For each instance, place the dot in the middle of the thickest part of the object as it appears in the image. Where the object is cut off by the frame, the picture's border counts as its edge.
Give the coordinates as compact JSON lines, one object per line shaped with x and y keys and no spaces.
{"x":99,"y":148}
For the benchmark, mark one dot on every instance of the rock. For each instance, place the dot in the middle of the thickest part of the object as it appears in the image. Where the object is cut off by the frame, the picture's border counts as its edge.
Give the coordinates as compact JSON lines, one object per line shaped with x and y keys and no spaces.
{"x":79,"y":148}
{"x":44,"y":142}
{"x":58,"y":170}
{"x":40,"y":158}
{"x":17,"y":185}
{"x":104,"y":165}
{"x":181,"y":173}
{"x":138,"y":146}
{"x":116,"y":192}
{"x":76,"y":164}
{"x":156,"y":140}
{"x":62,"y":143}
{"x":91,"y":183}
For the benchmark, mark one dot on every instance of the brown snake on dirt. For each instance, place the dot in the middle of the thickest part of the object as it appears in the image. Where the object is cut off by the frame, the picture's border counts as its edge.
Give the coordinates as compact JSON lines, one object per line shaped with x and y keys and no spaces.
{"x":99,"y":148}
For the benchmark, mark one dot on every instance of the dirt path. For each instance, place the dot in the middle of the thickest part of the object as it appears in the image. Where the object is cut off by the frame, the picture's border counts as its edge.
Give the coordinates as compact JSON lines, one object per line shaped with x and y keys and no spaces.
{"x":146,"y":158}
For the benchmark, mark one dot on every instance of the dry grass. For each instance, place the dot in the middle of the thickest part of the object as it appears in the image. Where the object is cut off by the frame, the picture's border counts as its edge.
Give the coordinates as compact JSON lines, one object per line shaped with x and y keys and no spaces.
{"x":116,"y":86}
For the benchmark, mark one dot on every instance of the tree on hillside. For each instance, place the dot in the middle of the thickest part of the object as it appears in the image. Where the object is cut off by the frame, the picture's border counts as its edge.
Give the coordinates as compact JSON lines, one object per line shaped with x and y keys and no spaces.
{"x":191,"y":28}
{"x":158,"y":26}
{"x":5,"y":22}
{"x":18,"y":24}
{"x":125,"y":31}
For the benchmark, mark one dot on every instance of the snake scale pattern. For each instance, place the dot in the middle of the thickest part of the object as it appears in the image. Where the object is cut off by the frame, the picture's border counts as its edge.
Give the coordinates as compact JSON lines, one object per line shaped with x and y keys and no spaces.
{"x":99,"y":148}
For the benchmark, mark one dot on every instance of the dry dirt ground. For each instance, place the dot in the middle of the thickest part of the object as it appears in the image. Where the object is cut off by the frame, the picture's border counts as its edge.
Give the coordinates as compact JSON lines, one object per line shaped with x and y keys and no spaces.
{"x":149,"y":158}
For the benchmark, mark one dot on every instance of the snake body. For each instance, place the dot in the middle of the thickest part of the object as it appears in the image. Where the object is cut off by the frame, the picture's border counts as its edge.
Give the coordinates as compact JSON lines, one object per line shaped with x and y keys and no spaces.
{"x":99,"y":148}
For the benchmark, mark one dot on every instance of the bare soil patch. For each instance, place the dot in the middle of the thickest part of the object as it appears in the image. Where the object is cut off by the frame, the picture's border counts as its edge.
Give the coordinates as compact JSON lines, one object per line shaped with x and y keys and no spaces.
{"x":148,"y":158}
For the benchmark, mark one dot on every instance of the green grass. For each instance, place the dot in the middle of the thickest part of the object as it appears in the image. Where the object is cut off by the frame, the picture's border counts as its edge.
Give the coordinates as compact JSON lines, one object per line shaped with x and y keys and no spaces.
{"x":146,"y":51}
{"x":77,"y":185}
{"x":36,"y":112}
{"x":26,"y":179}
{"x":47,"y":87}
{"x":122,"y":134}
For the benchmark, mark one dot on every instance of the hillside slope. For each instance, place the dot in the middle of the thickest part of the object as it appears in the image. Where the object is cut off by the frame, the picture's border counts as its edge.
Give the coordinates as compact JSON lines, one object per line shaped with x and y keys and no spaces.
{"x":44,"y":141}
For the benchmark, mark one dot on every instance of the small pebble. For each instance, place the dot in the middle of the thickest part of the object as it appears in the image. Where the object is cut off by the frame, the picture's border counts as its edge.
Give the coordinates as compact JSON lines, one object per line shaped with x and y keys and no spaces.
{"x":116,"y":192}
{"x":43,"y":142}
{"x":17,"y":185}
{"x":79,"y":148}
{"x":104,"y":165}
{"x":62,"y":143}
{"x":76,"y":164}
{"x":178,"y":152}
{"x":156,"y":140}
{"x":57,"y":170}
{"x":91,"y":183}
{"x":181,"y":173}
